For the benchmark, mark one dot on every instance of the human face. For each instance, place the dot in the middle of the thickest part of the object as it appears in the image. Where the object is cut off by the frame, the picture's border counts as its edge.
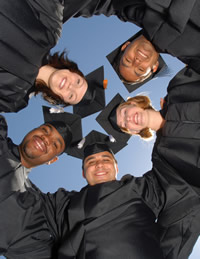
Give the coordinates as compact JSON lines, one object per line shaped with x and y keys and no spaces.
{"x":41,"y":145}
{"x":132,"y":118}
{"x":70,"y":86}
{"x":100,"y":168}
{"x":138,"y":60}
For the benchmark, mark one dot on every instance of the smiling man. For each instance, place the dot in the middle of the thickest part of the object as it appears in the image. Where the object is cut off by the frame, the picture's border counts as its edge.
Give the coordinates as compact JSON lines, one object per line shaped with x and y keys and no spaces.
{"x":138,"y":61}
{"x":134,"y":217}
{"x":98,"y":167}
{"x":42,"y":145}
{"x":24,"y":229}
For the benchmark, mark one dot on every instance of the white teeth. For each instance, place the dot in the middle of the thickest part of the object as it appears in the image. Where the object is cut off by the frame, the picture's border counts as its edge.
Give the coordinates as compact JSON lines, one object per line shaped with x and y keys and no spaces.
{"x":62,"y":83}
{"x":142,"y":54}
{"x":40,"y":147}
{"x":136,"y":118}
{"x":100,"y":173}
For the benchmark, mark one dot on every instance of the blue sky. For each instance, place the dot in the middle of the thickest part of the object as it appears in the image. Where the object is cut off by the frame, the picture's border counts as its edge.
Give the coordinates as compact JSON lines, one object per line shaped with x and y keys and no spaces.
{"x":88,"y":41}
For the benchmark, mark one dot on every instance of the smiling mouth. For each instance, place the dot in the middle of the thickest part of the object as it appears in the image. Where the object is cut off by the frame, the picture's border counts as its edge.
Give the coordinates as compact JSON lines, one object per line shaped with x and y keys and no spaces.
{"x":136,"y":118}
{"x":62,"y":83}
{"x":40,"y":144}
{"x":143,"y":54}
{"x":99,"y":174}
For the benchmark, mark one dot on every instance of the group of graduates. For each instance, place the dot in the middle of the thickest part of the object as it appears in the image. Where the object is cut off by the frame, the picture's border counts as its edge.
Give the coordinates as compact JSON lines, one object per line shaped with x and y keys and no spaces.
{"x":153,"y":216}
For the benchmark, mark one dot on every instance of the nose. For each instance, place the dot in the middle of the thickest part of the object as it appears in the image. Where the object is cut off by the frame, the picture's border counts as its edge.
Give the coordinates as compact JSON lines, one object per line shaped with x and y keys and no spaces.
{"x":128,"y":118}
{"x":99,"y":163}
{"x":137,"y":61}
{"x":45,"y":139}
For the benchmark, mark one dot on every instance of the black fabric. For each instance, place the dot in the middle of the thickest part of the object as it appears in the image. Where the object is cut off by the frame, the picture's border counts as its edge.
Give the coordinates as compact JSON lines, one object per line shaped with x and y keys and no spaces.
{"x":94,"y":98}
{"x":182,"y":108}
{"x":172,"y":25}
{"x":37,"y":26}
{"x":27,"y":216}
{"x":114,"y":220}
{"x":74,"y":225}
{"x":96,"y":148}
{"x":91,"y":139}
{"x":64,"y":130}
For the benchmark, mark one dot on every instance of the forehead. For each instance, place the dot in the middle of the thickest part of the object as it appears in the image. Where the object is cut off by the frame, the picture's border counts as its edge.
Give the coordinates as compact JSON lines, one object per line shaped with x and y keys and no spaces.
{"x":125,"y":105}
{"x":98,"y":156}
{"x":54,"y":132}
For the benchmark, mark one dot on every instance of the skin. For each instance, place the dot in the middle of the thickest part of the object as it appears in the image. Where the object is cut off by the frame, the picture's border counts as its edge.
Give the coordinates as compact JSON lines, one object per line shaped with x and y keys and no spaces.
{"x":70,"y":86}
{"x":138,"y":60}
{"x":134,"y":118}
{"x":100,"y":168}
{"x":41,"y":145}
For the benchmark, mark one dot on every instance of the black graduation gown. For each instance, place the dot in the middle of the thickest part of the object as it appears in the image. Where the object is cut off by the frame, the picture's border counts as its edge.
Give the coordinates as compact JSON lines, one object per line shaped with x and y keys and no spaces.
{"x":178,"y":145}
{"x":37,"y":26}
{"x":30,"y":221}
{"x":117,"y":219}
{"x":180,"y":140}
{"x":43,"y":220}
{"x":123,"y":211}
{"x":172,"y":25}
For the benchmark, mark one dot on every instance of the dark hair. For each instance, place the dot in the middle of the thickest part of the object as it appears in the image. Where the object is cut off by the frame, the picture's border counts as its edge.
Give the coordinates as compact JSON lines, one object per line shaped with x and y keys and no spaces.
{"x":59,"y":61}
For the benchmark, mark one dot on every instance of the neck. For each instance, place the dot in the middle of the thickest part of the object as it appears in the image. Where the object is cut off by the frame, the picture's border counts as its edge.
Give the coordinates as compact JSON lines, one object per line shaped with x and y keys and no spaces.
{"x":44,"y":73}
{"x":155,"y":121}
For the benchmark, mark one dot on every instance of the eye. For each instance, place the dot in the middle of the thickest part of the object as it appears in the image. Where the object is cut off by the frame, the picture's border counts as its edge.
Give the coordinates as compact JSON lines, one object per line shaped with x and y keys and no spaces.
{"x":45,"y":130}
{"x":141,"y":69}
{"x":70,"y":96}
{"x":128,"y":60}
{"x":78,"y":81}
{"x":55,"y":145}
{"x":90,"y":163}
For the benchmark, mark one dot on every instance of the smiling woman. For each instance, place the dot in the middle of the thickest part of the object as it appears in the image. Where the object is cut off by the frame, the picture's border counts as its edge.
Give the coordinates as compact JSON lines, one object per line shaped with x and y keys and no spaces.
{"x":20,"y":63}
{"x":137,"y":116}
{"x":60,"y":81}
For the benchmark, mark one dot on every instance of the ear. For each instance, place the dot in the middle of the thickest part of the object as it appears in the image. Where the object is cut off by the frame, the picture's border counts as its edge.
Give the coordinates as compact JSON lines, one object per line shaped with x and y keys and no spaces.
{"x":83,"y":174}
{"x":155,"y":67}
{"x":52,"y":160}
{"x":125,"y":45}
{"x":117,"y":169}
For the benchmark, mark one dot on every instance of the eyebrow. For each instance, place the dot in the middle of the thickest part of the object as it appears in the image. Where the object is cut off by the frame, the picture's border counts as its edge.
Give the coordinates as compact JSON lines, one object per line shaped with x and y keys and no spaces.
{"x":123,"y":63}
{"x":51,"y":129}
{"x":49,"y":126}
{"x":61,"y":144}
{"x":93,"y":157}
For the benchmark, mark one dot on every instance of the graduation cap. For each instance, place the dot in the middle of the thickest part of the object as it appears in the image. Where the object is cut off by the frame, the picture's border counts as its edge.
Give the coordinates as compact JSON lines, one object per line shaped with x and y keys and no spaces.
{"x":107,"y":119}
{"x":114,"y":57}
{"x":96,"y":142}
{"x":67,"y":124}
{"x":94,"y":98}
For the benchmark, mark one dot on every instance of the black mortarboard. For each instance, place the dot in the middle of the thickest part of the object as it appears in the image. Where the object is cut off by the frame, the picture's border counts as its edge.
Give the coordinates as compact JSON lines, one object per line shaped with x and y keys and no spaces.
{"x":94,"y":98}
{"x":107,"y":119}
{"x":113,"y":58}
{"x":96,"y":142}
{"x":67,"y":124}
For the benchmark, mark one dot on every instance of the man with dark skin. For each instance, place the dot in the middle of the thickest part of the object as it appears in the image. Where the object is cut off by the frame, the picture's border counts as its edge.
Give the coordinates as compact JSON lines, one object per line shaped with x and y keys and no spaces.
{"x":170,"y":26}
{"x":24,"y":225}
{"x":58,"y":225}
{"x":41,"y":145}
{"x":138,"y":61}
